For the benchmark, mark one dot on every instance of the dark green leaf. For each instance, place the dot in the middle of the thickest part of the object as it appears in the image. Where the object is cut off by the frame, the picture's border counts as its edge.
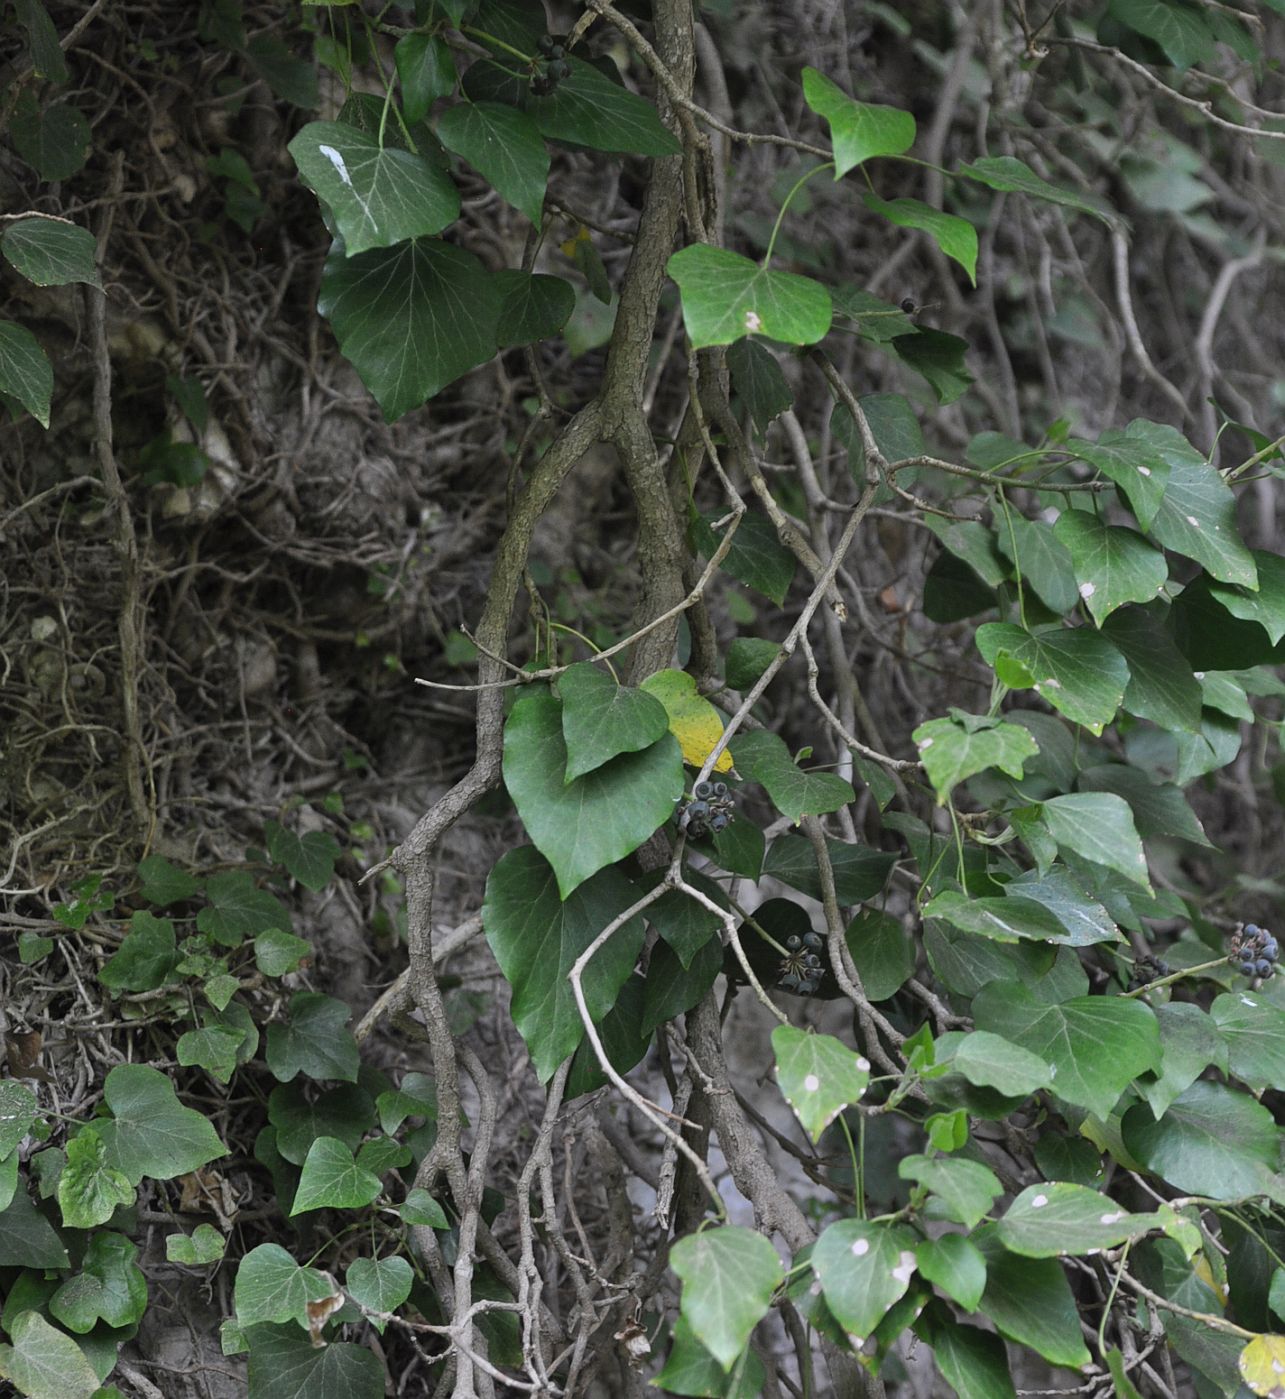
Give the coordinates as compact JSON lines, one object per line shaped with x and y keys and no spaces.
{"x":881,"y":952}
{"x":1159,"y":808}
{"x":859,"y":872}
{"x":1006,"y":919}
{"x":624,"y":1042}
{"x":316,"y":1040}
{"x":1161,"y":686}
{"x":277,"y":952}
{"x":939,"y":358}
{"x":47,"y":59}
{"x":965,"y":1190}
{"x":762,"y":757}
{"x":25,"y":371}
{"x":1030,"y":1302}
{"x":27,"y":1239}
{"x":379,"y":1284}
{"x":17,"y":1113}
{"x":53,"y":139}
{"x":747,"y":658}
{"x":818,"y":1075}
{"x":602,"y":719}
{"x":533,"y":307}
{"x":1134,"y":461}
{"x":238,"y":909}
{"x":146,"y":958}
{"x":691,"y":1369}
{"x":50,"y":252}
{"x":1254,"y":1030}
{"x":164,"y":883}
{"x":45,"y":1363}
{"x":109,"y":1287}
{"x":756,"y":557}
{"x":1189,"y":1043}
{"x":310,"y":858}
{"x":1113,"y":565}
{"x":684,"y":922}
{"x":1082,"y":916}
{"x":588,"y":109}
{"x":673,"y":988}
{"x":592,"y":822}
{"x":331,"y":1179}
{"x":411,"y":318}
{"x":1005,"y":172}
{"x":992,"y":1062}
{"x":1267,"y":605}
{"x":426,"y":70}
{"x":1050,"y":1221}
{"x":537,"y":938}
{"x":973,"y":1362}
{"x":1098,"y":826}
{"x":757,"y":379}
{"x":1180,"y":31}
{"x":954,"y":1264}
{"x":1042,"y":560}
{"x":504,"y":146}
{"x":285,"y":1365}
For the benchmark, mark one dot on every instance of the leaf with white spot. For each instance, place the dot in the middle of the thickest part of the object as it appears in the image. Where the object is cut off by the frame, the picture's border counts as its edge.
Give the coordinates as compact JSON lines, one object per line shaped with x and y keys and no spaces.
{"x":1113,"y":565}
{"x":380,"y":195}
{"x":729,"y":1276}
{"x":726,"y":296}
{"x":1262,"y":1366}
{"x":819,"y":1075}
{"x":1078,"y":671}
{"x":864,"y":1268}
{"x":1050,"y":1220}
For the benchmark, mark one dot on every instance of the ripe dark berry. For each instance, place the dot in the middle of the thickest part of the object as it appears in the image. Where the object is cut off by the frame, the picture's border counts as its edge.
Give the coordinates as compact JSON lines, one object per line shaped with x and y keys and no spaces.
{"x":1271,"y":948}
{"x":1263,"y":967}
{"x":1251,"y":930}
{"x":719,"y":821}
{"x":794,"y":942}
{"x":720,"y":789}
{"x":908,"y":305}
{"x":703,"y":790}
{"x":546,"y":44}
{"x":559,"y":68}
{"x":812,"y":939}
{"x":555,"y":50}
{"x":790,"y":982}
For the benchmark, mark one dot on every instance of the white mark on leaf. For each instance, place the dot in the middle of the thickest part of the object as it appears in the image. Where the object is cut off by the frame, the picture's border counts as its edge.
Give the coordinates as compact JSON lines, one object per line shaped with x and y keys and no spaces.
{"x":863,"y":1064}
{"x":860,"y":1247}
{"x":753,"y":321}
{"x":811,"y":1083}
{"x":1144,"y":471}
{"x":1088,"y":589}
{"x":1193,"y":522}
{"x":905,"y":1268}
{"x":1039,"y":1202}
{"x":1112,"y":1218}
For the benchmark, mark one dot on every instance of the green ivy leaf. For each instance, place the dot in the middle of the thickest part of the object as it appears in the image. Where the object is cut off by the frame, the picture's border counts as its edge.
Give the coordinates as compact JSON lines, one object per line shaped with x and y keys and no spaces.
{"x":956,"y":237}
{"x":1098,"y":826}
{"x":859,"y":872}
{"x":309,"y":858}
{"x":858,"y":130}
{"x":1042,"y":560}
{"x":203,"y":1245}
{"x":993,"y":1062}
{"x":238,"y":909}
{"x":284,"y":1364}
{"x":411,"y":318}
{"x":271,"y":1286}
{"x":27,"y":1239}
{"x":379,"y":195}
{"x":150,"y":1133}
{"x":25,"y":371}
{"x":89,"y":1190}
{"x":164,"y":883}
{"x":383,"y":1154}
{"x":51,"y":252}
{"x":416,"y":1097}
{"x":54,"y":139}
{"x":505,"y":147}
{"x":882,"y":954}
{"x":1114,"y":565}
{"x":419,"y":1207}
{"x":1029,"y":1300}
{"x":863,"y":1268}
{"x":623,"y":1041}
{"x":45,"y":1363}
{"x":1212,"y":1141}
{"x":315,"y":1042}
{"x":955,"y":1264}
{"x":1181,"y":32}
{"x":426,"y":71}
{"x":1052,"y":1220}
{"x":588,"y":109}
{"x":1197,"y":516}
{"x":379,"y":1284}
{"x":601,"y":719}
{"x":17,"y":1112}
{"x":1097,"y":1045}
{"x":757,"y":379}
{"x":1078,"y":672}
{"x":729,"y":1275}
{"x":673,"y":988}
{"x":1189,"y":1043}
{"x":973,"y":1362}
{"x":146,"y":958}
{"x":1083,"y":918}
{"x":1266,"y":606}
{"x":1161,"y":686}
{"x":1159,"y":808}
{"x":109,"y":1287}
{"x":691,"y":1369}
{"x":746,"y":660}
{"x":756,"y":557}
{"x":1133,"y":461}
{"x":213,"y":1048}
{"x":277,"y":952}
{"x":957,"y":748}
{"x":819,"y":1076}
{"x":726,"y":297}
{"x":965,"y":1190}
{"x":584,"y":825}
{"x":1006,"y":919}
{"x":345,"y":1112}
{"x":1008,"y":174}
{"x":533,"y":307}
{"x":939,"y":358}
{"x":762,"y":757}
{"x":331,"y":1179}
{"x":537,"y":937}
{"x":47,"y":58}
{"x":1254,"y":1031}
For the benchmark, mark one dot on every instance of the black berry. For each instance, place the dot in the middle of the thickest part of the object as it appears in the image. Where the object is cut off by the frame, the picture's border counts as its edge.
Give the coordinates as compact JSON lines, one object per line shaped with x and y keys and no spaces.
{"x":704,"y":790}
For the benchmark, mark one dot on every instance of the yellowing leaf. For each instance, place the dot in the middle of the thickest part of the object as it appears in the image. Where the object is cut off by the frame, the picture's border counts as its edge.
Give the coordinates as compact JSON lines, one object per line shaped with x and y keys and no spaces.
{"x":693,"y":721}
{"x":1262,"y":1366}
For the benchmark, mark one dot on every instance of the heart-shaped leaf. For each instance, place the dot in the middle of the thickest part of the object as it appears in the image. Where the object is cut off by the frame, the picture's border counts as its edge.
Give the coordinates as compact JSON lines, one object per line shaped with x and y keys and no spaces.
{"x":601,"y":719}
{"x":727,"y":296}
{"x":763,"y":757}
{"x":858,"y":130}
{"x":503,"y":145}
{"x":819,"y":1076}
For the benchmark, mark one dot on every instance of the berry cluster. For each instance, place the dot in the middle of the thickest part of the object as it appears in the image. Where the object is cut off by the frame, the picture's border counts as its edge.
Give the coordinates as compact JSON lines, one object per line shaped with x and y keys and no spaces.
{"x":1254,"y":951}
{"x":708,"y":812}
{"x":556,"y":67}
{"x":801,"y":967}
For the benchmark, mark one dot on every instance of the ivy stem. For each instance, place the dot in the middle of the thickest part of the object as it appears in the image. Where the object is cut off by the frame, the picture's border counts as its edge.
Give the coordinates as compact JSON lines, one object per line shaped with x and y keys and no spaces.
{"x":1175,"y":976}
{"x":596,"y":649}
{"x":798,"y":185}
